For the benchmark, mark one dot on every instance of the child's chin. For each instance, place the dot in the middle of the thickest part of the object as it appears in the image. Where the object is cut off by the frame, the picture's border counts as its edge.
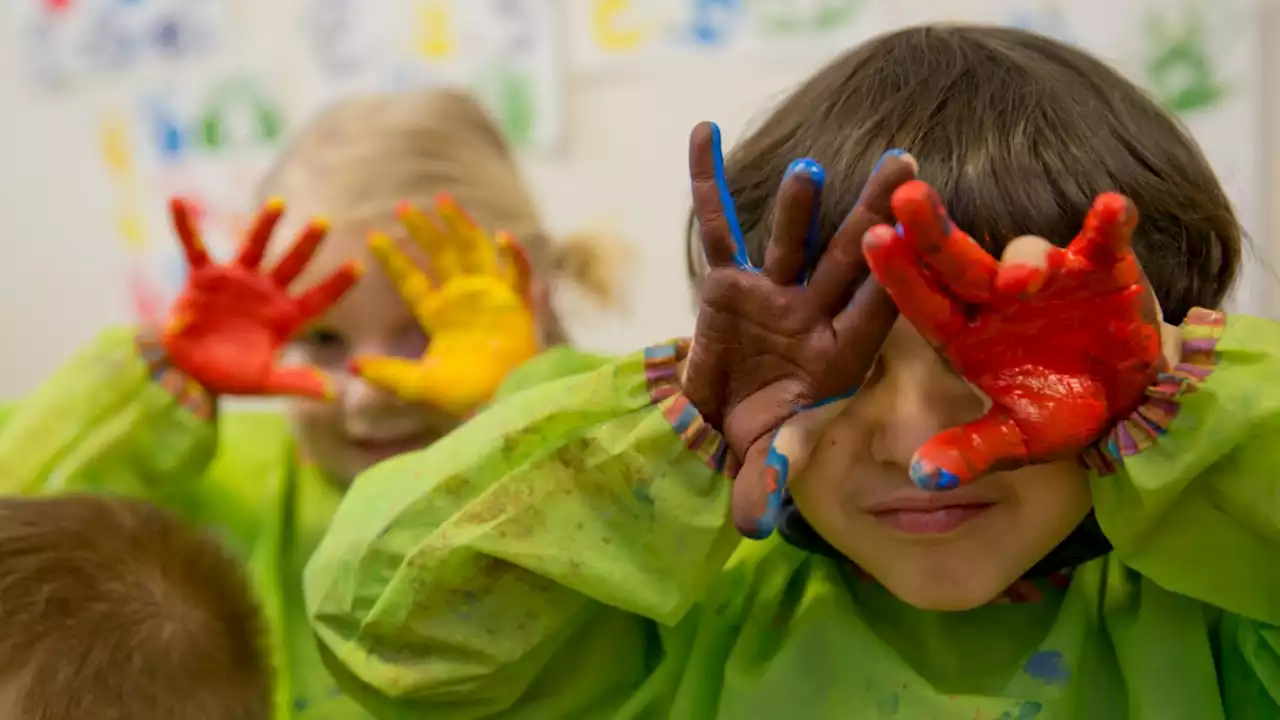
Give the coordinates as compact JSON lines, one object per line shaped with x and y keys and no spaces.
{"x":944,"y":592}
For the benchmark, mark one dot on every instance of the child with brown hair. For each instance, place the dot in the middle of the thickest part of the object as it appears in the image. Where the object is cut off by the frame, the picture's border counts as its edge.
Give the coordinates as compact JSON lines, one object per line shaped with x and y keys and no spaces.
{"x":576,"y":550}
{"x":141,"y":412}
{"x":112,"y":609}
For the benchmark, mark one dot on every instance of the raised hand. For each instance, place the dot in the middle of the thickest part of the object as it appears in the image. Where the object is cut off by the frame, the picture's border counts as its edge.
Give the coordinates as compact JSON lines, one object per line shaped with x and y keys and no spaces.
{"x":228,"y":325}
{"x":475,"y":309}
{"x":775,"y":340}
{"x":1064,"y":341}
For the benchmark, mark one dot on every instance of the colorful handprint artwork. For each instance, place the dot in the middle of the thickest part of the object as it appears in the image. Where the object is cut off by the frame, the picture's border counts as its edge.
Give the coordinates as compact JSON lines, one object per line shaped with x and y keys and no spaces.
{"x":1180,"y":67}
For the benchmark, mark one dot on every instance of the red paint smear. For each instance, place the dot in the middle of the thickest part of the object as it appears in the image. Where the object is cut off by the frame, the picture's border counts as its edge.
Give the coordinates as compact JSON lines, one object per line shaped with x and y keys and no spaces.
{"x":1063,"y":354}
{"x":228,"y":326}
{"x":55,"y":6}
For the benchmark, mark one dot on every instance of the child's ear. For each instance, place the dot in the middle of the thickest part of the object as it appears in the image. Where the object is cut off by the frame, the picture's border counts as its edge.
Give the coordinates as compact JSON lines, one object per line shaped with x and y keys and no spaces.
{"x":1170,"y":335}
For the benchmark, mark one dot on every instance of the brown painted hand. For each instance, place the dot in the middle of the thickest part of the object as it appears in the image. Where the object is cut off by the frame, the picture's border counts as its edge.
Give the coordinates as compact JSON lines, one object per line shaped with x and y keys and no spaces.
{"x":773,"y":341}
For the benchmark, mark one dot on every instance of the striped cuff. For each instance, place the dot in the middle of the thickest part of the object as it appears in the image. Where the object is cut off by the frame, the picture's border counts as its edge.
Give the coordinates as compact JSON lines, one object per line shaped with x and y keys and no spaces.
{"x":1200,"y":334}
{"x":187,"y":392}
{"x":662,"y":373}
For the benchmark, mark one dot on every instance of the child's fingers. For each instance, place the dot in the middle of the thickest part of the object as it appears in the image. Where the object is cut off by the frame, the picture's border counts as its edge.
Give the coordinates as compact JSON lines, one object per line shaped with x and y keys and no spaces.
{"x":476,"y":253}
{"x":254,"y":245}
{"x":423,"y":230}
{"x":793,"y":243}
{"x":1105,"y":240}
{"x":300,"y":253}
{"x":959,"y":455}
{"x":299,"y":381}
{"x":410,"y":282}
{"x":862,"y":326}
{"x":518,"y":270}
{"x":188,"y":234}
{"x":843,"y":265}
{"x":316,"y":301}
{"x":712,"y":204}
{"x":761,"y":483}
{"x":963,"y":267}
{"x":931,"y":311}
{"x":1027,"y":265}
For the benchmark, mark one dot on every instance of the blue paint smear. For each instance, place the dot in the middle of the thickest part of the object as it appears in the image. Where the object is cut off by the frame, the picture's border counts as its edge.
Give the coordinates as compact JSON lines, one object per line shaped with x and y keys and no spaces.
{"x":927,"y":477}
{"x":813,"y":170}
{"x":726,"y":202}
{"x":781,"y":464}
{"x":1049,"y":667}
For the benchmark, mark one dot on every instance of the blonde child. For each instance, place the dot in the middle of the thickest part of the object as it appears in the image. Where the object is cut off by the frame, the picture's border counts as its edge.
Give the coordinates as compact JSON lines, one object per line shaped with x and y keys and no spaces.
{"x":139,"y":411}
{"x":576,"y":550}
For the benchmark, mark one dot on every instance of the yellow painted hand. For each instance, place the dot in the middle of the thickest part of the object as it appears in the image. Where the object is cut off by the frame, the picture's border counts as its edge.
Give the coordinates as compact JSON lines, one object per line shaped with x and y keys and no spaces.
{"x":474,"y":309}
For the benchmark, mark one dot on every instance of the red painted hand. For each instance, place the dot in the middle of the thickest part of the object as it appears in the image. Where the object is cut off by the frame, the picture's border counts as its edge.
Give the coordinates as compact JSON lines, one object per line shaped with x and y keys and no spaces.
{"x":227,"y":327}
{"x":1064,"y":344}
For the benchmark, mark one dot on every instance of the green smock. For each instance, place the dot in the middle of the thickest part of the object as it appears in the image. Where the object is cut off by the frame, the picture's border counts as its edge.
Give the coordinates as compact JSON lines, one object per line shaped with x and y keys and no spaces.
{"x":568,"y":554}
{"x":118,"y":419}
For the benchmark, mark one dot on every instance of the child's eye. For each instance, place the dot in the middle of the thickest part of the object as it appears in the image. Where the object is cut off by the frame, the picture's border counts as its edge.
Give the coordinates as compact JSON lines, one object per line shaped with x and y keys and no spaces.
{"x":410,"y":343}
{"x":323,"y":338}
{"x":323,"y":346}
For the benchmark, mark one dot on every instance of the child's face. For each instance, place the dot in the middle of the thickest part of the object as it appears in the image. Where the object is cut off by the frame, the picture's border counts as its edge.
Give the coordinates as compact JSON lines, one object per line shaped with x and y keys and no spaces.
{"x":363,"y":424}
{"x":949,"y":550}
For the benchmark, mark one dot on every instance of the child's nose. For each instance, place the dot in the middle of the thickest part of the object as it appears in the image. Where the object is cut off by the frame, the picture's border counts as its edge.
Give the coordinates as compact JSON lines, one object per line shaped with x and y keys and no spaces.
{"x":903,"y":420}
{"x":908,"y":408}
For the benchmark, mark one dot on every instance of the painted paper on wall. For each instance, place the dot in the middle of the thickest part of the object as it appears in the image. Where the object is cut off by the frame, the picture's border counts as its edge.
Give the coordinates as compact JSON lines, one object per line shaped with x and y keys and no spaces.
{"x":507,"y":51}
{"x":209,"y":141}
{"x":66,"y":43}
{"x":605,"y":34}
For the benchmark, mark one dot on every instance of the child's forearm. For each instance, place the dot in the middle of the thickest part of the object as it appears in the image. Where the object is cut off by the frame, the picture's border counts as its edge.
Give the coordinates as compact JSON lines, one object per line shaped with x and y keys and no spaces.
{"x":115,"y":418}
{"x":461,"y":574}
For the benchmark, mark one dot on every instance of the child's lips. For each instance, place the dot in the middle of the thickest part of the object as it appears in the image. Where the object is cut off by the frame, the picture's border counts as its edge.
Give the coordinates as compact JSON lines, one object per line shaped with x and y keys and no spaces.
{"x":388,"y":447}
{"x":918,"y":513}
{"x":938,"y":521}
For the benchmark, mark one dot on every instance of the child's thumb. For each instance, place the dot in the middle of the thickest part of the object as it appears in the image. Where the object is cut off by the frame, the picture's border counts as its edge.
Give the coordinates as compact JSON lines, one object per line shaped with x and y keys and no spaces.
{"x":397,"y":375}
{"x":768,"y":469}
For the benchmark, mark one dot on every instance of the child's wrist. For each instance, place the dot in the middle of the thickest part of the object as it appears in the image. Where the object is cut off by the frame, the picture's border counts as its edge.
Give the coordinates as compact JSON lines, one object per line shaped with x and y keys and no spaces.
{"x":185,"y":390}
{"x":1171,"y":344}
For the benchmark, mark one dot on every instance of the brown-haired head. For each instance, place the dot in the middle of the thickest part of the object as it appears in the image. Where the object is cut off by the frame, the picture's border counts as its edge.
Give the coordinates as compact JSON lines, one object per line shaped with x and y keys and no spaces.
{"x":111,"y":609}
{"x":1017,"y":132}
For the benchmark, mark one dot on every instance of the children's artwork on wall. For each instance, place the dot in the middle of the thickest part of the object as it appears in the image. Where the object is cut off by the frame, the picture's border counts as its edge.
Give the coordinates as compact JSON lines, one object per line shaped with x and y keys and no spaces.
{"x":1180,"y":66}
{"x":1199,"y":59}
{"x":1046,"y":19}
{"x":507,"y":51}
{"x":210,"y":142}
{"x":606,"y":34}
{"x":65,"y":43}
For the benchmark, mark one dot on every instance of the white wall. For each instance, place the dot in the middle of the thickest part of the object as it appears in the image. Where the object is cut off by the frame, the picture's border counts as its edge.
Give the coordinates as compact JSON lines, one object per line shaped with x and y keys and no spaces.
{"x":623,"y":166}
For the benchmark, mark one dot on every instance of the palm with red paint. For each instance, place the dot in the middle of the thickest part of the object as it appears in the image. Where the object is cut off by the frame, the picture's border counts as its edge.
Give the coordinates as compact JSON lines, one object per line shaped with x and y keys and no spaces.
{"x":229,"y":324}
{"x":1063,"y":343}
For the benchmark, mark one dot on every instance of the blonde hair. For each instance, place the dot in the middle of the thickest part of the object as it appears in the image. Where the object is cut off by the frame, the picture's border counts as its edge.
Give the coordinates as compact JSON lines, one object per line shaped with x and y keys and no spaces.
{"x":378,"y":150}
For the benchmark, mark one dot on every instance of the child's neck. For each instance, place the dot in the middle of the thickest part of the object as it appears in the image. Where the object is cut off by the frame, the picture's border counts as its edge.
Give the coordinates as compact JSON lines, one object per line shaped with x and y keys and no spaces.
{"x":940,"y":646}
